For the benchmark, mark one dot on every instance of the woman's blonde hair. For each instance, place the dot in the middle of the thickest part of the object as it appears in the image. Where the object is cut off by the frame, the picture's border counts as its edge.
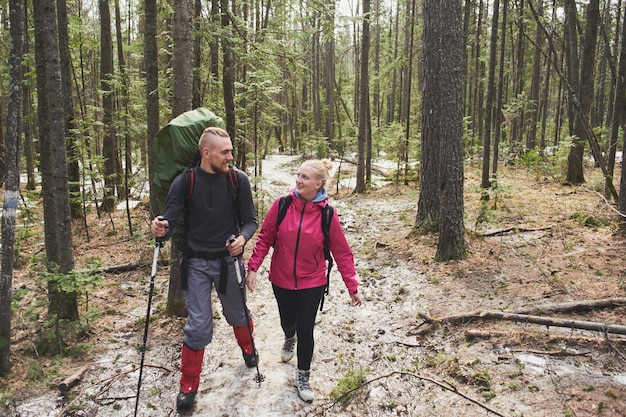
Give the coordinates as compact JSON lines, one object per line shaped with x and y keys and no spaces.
{"x":321,"y":168}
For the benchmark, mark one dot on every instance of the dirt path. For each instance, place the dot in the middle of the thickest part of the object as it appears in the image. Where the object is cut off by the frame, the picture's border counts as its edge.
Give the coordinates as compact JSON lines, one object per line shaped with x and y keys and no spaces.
{"x":521,"y":370}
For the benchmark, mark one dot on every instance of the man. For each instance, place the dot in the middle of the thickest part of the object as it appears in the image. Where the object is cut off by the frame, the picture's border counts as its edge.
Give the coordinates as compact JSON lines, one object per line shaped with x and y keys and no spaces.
{"x":213,"y":216}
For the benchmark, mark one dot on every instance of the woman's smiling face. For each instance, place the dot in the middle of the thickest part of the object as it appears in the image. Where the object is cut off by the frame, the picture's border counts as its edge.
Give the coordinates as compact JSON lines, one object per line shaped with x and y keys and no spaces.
{"x":307,"y":184}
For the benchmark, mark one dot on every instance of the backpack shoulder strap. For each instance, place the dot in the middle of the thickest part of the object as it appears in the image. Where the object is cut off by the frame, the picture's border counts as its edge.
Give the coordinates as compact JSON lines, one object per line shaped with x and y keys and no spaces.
{"x":190,"y":182}
{"x":283,"y":205}
{"x":327,"y":216}
{"x":233,"y":180}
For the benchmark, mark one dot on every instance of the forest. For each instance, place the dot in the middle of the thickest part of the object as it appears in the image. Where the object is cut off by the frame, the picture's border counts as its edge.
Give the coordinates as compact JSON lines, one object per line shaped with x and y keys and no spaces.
{"x":448,"y":94}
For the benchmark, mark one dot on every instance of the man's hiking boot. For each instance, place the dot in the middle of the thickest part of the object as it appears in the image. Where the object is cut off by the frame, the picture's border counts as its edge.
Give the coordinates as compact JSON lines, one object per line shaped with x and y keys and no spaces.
{"x":190,"y":369}
{"x":288,"y":347}
{"x":184,"y":401}
{"x":305,"y":392}
{"x":251,"y":359}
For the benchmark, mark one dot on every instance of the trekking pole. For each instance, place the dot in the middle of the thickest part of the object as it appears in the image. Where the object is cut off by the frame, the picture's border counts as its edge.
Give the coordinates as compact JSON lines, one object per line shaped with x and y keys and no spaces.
{"x":258,"y":378}
{"x":157,"y":245}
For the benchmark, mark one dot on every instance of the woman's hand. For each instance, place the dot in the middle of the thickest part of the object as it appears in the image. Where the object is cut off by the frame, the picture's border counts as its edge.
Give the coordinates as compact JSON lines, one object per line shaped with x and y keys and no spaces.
{"x":251,"y":280}
{"x":356,"y":299}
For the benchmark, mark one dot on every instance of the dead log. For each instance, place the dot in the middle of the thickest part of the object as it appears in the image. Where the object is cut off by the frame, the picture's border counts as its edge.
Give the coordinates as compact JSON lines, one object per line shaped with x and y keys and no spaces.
{"x":522,"y":315}
{"x":67,"y":384}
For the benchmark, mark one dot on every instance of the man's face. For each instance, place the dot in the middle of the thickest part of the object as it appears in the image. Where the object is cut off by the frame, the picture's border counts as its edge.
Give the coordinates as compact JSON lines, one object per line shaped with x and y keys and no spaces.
{"x":218,"y":153}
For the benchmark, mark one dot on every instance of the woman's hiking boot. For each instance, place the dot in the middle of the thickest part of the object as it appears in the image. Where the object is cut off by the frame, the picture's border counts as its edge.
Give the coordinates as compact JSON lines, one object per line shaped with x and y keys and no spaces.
{"x":190,"y":369}
{"x":288,"y":347}
{"x":305,"y":392}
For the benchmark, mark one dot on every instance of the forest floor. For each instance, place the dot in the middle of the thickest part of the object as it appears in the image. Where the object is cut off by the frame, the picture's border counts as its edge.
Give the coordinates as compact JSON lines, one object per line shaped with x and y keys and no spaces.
{"x":536,"y":243}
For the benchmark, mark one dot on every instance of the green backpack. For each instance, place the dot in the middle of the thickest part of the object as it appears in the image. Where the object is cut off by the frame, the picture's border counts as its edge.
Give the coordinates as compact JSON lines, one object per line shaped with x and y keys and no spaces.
{"x":175,"y":148}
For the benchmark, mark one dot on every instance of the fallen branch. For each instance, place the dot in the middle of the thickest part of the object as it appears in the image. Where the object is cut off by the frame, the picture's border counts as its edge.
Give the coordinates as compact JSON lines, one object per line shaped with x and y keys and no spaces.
{"x":115,"y":269}
{"x":501,"y":232}
{"x":522,"y":315}
{"x":443,"y":385}
{"x":522,"y":336}
{"x":582,"y":305}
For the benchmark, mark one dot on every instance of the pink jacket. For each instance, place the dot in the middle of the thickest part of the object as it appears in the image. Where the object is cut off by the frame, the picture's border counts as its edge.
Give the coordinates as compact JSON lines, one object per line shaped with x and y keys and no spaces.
{"x":298,"y":258}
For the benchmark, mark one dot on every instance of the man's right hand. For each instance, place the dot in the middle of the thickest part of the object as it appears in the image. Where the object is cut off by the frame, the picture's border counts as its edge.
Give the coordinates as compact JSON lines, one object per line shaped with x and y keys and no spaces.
{"x":159,"y":226}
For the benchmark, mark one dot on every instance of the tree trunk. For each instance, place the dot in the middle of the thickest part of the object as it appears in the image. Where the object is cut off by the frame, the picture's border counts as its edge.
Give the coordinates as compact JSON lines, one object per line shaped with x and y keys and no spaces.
{"x":181,"y":102}
{"x":151,"y":65}
{"x":55,"y":190}
{"x":109,"y":141}
{"x":315,"y":73}
{"x":214,"y":46}
{"x":197,"y":56}
{"x":617,"y":119}
{"x":228,"y":73}
{"x":391,"y":102}
{"x":493,"y":47}
{"x":531,"y":138}
{"x":182,"y":83}
{"x":519,"y":76}
{"x":452,"y":86}
{"x":12,"y":180}
{"x":329,"y":71}
{"x":29,"y":148}
{"x":575,"y":173}
{"x":497,"y":115}
{"x":66,"y":80}
{"x":428,"y":205}
{"x":364,"y":100}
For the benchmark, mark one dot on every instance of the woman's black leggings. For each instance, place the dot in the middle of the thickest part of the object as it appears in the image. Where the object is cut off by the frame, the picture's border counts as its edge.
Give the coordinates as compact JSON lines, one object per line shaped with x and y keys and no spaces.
{"x":298,"y":309}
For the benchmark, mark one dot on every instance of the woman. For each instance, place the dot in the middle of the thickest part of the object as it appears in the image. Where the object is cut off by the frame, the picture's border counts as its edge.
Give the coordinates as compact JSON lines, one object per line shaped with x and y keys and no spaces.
{"x":298,"y":268}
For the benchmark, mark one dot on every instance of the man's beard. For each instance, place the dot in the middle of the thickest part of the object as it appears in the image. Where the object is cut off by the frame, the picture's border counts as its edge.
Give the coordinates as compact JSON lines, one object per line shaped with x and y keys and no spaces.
{"x":222,"y":169}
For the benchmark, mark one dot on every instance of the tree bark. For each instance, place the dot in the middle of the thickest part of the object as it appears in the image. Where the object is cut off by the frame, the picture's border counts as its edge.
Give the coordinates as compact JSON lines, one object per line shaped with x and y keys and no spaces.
{"x":575,"y":174}
{"x":491,"y":86}
{"x":228,"y":73}
{"x":12,"y":180}
{"x":181,"y":102}
{"x":364,"y":100}
{"x":151,"y":65}
{"x":182,"y":58}
{"x":531,"y":138}
{"x":55,"y":190}
{"x":73,"y":171}
{"x":428,"y":205}
{"x":329,"y":71}
{"x":109,"y":141}
{"x":451,"y":173}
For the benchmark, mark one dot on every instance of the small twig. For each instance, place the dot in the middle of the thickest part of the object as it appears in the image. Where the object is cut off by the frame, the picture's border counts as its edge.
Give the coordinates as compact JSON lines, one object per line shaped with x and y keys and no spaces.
{"x":559,"y":352}
{"x":609,"y":204}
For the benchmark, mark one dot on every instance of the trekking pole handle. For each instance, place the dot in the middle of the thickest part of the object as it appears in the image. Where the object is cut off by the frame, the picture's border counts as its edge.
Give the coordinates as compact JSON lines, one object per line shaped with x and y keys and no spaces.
{"x":159,"y":239}
{"x":231,"y":239}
